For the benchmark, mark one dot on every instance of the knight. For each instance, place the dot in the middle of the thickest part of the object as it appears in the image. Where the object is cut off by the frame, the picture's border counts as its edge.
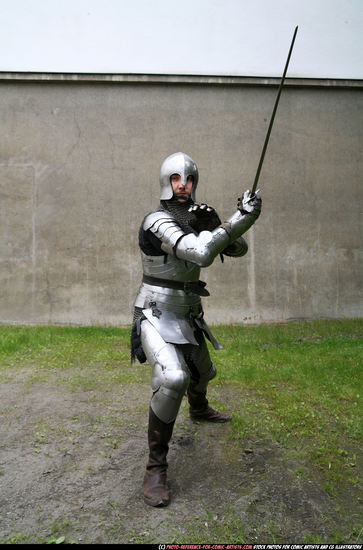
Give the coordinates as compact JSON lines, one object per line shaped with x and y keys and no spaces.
{"x":169,"y":331}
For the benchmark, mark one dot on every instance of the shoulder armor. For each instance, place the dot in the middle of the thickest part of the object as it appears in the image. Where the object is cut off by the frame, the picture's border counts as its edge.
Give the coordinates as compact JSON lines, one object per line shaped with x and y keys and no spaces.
{"x":156,"y":218}
{"x":165,"y":227}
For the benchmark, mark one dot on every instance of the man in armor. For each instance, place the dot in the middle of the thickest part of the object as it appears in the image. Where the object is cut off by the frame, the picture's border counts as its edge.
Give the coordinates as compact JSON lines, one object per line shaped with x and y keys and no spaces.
{"x":169,"y":330}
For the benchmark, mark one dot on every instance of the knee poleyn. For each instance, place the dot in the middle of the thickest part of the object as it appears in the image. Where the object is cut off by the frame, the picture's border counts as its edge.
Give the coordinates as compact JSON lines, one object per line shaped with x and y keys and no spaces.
{"x":177,"y":381}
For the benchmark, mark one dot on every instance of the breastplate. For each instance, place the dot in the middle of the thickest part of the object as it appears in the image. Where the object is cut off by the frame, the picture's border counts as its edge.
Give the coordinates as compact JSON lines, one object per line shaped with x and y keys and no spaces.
{"x":169,"y":268}
{"x":171,"y":299}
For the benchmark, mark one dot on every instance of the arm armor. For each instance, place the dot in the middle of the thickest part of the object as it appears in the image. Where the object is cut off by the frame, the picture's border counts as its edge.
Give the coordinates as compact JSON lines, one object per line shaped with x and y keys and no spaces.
{"x":203,"y":248}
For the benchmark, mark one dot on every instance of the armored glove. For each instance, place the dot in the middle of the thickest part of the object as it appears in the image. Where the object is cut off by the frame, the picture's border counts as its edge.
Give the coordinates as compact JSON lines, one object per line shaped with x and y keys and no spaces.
{"x":250,"y":204}
{"x":207,"y":218}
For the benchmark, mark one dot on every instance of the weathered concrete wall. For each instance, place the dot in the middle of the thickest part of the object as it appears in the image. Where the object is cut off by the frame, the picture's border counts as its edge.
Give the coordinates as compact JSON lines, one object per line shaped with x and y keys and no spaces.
{"x":79,"y":169}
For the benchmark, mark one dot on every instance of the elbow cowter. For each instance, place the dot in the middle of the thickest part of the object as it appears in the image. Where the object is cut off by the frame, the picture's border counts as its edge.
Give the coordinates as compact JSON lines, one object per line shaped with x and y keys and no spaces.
{"x":203,"y":248}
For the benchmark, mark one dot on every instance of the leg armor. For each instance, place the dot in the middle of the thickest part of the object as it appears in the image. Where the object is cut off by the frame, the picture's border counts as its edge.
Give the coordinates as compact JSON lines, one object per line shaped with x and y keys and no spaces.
{"x":170,"y":377}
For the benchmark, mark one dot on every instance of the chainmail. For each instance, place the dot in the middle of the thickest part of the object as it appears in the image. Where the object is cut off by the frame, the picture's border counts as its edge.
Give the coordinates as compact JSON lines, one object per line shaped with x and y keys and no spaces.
{"x":191,"y":222}
{"x":137,"y":314}
{"x":136,"y":351}
{"x":186,"y":220}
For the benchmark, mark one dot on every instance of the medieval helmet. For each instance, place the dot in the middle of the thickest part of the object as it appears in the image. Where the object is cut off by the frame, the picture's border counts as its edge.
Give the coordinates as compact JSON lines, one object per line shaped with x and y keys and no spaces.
{"x":178,"y":163}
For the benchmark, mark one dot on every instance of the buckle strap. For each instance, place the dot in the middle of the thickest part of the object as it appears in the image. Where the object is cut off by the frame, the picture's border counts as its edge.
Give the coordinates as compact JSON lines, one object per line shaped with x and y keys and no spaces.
{"x":188,"y":286}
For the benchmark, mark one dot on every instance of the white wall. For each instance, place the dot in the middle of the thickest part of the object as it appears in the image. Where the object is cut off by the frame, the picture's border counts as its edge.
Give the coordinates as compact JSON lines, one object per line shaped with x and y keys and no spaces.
{"x":206,"y":37}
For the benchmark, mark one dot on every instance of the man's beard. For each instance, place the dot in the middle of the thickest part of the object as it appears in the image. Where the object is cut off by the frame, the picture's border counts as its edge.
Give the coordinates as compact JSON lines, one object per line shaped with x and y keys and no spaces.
{"x":181,"y":198}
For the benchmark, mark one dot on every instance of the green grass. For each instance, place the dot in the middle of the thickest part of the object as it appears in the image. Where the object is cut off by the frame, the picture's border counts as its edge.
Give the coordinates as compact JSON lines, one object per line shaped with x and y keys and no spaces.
{"x":300,"y":379}
{"x":303,"y":388}
{"x":83,"y":357}
{"x":298,"y":384}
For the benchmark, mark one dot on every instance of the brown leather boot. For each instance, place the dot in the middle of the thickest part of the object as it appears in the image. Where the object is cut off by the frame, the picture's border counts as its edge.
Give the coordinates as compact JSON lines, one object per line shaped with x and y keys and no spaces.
{"x":200,"y":410}
{"x":155,"y":488}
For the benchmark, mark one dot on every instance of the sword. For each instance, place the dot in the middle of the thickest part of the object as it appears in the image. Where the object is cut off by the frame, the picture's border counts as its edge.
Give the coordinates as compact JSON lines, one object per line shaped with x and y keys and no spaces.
{"x":272,"y":118}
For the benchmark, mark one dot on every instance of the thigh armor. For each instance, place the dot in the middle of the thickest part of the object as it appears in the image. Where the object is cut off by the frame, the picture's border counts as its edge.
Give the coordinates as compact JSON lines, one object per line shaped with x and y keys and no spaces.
{"x":175,"y":366}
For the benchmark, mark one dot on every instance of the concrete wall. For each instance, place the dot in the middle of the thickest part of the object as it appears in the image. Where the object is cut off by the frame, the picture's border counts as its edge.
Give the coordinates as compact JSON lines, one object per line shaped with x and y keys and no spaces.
{"x":79,"y":169}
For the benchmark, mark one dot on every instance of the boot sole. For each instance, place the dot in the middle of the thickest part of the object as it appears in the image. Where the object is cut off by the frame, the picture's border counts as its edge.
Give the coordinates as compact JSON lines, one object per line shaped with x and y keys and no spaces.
{"x":210,"y":420}
{"x":156,"y":504}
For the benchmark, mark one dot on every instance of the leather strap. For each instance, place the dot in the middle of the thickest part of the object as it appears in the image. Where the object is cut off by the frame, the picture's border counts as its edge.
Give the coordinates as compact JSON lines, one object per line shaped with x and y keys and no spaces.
{"x":188,"y":286}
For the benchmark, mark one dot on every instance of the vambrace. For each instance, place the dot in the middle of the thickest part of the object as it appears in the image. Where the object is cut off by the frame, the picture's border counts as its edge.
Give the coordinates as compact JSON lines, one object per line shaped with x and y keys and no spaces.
{"x":203,"y":248}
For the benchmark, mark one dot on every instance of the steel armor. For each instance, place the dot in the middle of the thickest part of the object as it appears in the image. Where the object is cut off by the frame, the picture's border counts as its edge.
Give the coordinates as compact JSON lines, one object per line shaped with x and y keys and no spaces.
{"x":169,"y":318}
{"x":178,"y":163}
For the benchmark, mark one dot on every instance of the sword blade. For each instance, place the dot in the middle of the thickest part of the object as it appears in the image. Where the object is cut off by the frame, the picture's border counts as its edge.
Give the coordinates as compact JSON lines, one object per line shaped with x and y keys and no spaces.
{"x":273,"y":116}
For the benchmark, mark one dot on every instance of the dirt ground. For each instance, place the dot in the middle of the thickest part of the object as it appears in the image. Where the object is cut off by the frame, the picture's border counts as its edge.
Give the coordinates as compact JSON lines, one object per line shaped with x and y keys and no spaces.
{"x":72,"y":464}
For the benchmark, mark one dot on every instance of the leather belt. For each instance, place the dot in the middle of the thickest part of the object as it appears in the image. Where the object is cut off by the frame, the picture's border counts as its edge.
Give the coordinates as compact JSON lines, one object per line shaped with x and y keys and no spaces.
{"x":197,"y":287}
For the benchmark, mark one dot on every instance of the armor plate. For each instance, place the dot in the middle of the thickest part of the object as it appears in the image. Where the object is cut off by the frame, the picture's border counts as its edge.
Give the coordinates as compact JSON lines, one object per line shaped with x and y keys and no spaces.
{"x":170,"y":268}
{"x":173,"y":327}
